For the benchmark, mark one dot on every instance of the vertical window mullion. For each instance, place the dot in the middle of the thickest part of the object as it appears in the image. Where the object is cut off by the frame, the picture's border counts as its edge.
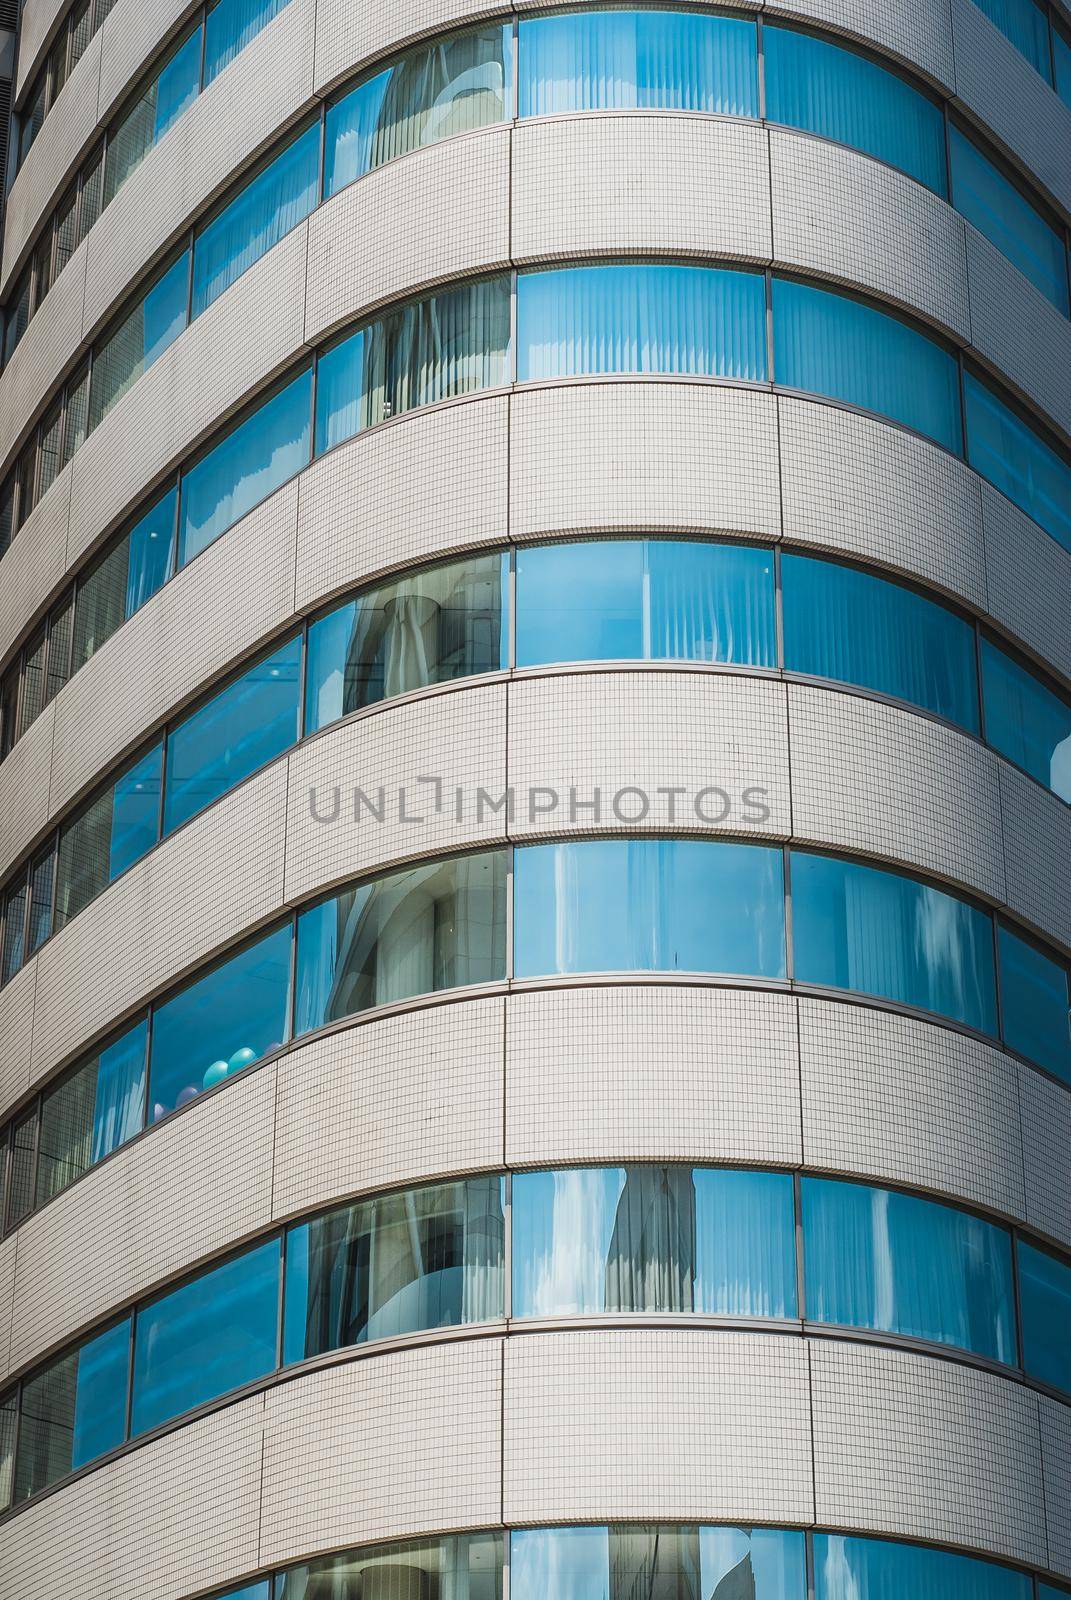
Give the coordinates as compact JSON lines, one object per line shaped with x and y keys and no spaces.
{"x":770,"y":368}
{"x":786,"y":869}
{"x":797,"y":1220}
{"x":507,"y":1253}
{"x":760,"y":56}
{"x":779,"y":610}
{"x":1017,"y":1309}
{"x":290,"y":1014}
{"x":997,"y":977}
{"x":129,"y":1417}
{"x":204,"y":49}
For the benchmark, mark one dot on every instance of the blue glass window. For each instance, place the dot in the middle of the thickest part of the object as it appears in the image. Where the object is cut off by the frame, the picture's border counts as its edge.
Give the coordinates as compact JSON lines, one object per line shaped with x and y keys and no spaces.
{"x":856,"y":927}
{"x":142,"y":337}
{"x":119,"y":584}
{"x":1025,"y":721}
{"x":91,"y":1112}
{"x":826,"y":344}
{"x":230,"y":26}
{"x":1034,"y":1001}
{"x":415,"y":932}
{"x":623,"y":60}
{"x":116,"y":829}
{"x":254,"y":1591}
{"x":460,"y":82}
{"x":647,"y":1238}
{"x":649,"y":905}
{"x":454,"y":1566}
{"x":220,"y":1023}
{"x":1026,"y":25}
{"x":420,"y":1258}
{"x":854,"y":628}
{"x":261,"y":453}
{"x":1061,"y":56}
{"x":878,"y":1259}
{"x":73,"y":1410}
{"x":272,"y":203}
{"x":175,"y":87}
{"x":1046,"y":1590}
{"x":1045,"y":1296}
{"x":1007,"y":219}
{"x":641,"y":317}
{"x":212,"y":1335}
{"x":600,"y":1563}
{"x":1017,"y":462}
{"x":846,"y":1569}
{"x":238,"y":731}
{"x":444,"y":623}
{"x":340,"y":382}
{"x":645,"y":599}
{"x":814,"y":84}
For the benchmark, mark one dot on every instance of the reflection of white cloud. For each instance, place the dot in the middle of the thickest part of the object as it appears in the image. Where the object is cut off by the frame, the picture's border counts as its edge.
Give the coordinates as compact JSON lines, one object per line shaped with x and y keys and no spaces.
{"x":559,"y":1564}
{"x":940,"y":929}
{"x":838,"y":1580}
{"x":881,"y":1255}
{"x":568,"y":1275}
{"x":1060,"y":769}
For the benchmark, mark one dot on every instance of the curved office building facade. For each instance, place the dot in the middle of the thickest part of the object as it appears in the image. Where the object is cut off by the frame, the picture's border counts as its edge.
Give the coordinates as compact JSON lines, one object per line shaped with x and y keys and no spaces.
{"x":535,"y":766}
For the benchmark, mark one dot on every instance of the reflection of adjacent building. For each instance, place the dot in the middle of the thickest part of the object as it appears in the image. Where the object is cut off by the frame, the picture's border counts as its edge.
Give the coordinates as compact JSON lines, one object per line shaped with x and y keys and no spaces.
{"x":652,"y":1256}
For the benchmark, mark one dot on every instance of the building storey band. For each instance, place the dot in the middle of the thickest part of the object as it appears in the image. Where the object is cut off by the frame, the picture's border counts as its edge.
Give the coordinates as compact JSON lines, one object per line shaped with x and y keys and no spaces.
{"x":535,"y":766}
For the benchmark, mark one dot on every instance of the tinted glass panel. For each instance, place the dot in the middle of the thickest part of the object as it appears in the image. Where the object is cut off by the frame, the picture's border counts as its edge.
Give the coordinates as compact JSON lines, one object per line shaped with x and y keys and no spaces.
{"x":612,"y":600}
{"x":644,"y":1238}
{"x":9,"y":1410}
{"x":1045,"y":1294}
{"x":14,"y":953}
{"x":641,"y":318}
{"x":656,"y":905}
{"x":124,"y":579}
{"x":430,"y":350}
{"x":1035,"y":1004}
{"x":244,"y":468}
{"x":21,"y":1167}
{"x":878,"y":1259}
{"x":207,"y":1338}
{"x":42,"y":874}
{"x":818,"y":86}
{"x":827,"y":344}
{"x":426,"y":929}
{"x":998,"y":210}
{"x":240,"y":729}
{"x":1026,"y":25}
{"x":856,"y":927}
{"x":73,"y":1411}
{"x":175,"y":87}
{"x":458,"y":83}
{"x":1025,"y":721}
{"x":445,"y":623}
{"x":615,"y":60}
{"x":91,"y":1112}
{"x":1061,"y":55}
{"x":115,"y":830}
{"x":220,"y":1024}
{"x":456,"y":1566}
{"x":685,"y":1563}
{"x":1003,"y":449}
{"x":267,"y":208}
{"x":230,"y":26}
{"x":140,"y":340}
{"x":427,"y":1258}
{"x":851,"y":627}
{"x":847,"y":1569}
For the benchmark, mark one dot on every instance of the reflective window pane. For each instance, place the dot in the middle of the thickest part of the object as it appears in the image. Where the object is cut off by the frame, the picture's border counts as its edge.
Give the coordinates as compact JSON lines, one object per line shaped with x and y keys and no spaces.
{"x":261,"y":453}
{"x":1017,"y":462}
{"x":641,"y":317}
{"x":854,"y":628}
{"x":655,"y":905}
{"x":445,"y":623}
{"x":415,"y":932}
{"x":21,"y":1162}
{"x":212,"y":1335}
{"x":1025,"y":25}
{"x":826,"y":344}
{"x":607,"y":600}
{"x":646,"y":1238}
{"x":141,"y":338}
{"x":91,"y":1112}
{"x":1034,"y":1004}
{"x":1061,"y":55}
{"x":878,"y":1259}
{"x":239,"y":730}
{"x":1025,"y":721}
{"x":121,"y":582}
{"x":175,"y":87}
{"x":272,"y":203}
{"x":9,"y":1411}
{"x":624,"y":60}
{"x":814,"y":84}
{"x":1045,"y":1296}
{"x":230,"y":26}
{"x":685,"y":1562}
{"x":856,"y":927}
{"x":113,"y":832}
{"x":461,"y":82}
{"x":848,"y":1569}
{"x":455,"y":1566}
{"x":1007,"y":219}
{"x":425,"y":1258}
{"x":220,"y":1023}
{"x":452,"y":344}
{"x":14,"y":950}
{"x":73,"y":1411}
{"x":42,"y":876}
{"x":339,"y":380}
